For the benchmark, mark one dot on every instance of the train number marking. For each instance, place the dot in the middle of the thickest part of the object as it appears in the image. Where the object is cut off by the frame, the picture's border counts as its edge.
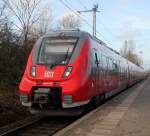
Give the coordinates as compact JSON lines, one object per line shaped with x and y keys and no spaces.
{"x":49,"y":74}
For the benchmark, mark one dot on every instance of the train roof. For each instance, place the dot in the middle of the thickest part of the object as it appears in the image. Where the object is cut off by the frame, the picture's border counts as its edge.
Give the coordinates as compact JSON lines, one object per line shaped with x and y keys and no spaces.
{"x":67,"y":32}
{"x":76,"y":33}
{"x":80,"y":33}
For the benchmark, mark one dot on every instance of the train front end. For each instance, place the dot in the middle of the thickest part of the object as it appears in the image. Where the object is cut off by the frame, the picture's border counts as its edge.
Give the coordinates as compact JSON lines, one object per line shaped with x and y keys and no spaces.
{"x":53,"y":81}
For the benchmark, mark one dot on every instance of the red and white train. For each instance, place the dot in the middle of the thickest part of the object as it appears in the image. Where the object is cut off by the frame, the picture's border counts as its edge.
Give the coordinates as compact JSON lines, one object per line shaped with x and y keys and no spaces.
{"x":68,"y":70}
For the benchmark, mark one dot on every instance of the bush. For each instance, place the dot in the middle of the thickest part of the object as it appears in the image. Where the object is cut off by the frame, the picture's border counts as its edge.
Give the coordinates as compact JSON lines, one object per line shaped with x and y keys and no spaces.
{"x":12,"y":63}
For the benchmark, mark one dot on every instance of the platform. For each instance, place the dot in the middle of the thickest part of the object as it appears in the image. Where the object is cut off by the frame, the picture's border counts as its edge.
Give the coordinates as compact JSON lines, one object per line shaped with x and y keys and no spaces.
{"x":128,"y":114}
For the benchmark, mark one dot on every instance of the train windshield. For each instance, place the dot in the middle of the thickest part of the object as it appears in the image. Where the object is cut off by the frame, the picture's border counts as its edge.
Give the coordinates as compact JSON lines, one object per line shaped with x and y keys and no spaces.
{"x":56,"y":51}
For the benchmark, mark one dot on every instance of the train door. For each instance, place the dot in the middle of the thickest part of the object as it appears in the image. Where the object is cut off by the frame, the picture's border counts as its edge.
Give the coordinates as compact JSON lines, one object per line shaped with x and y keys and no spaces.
{"x":115,"y":76}
{"x":101,"y":75}
{"x":105,"y":81}
{"x":119,"y":76}
{"x":109,"y":78}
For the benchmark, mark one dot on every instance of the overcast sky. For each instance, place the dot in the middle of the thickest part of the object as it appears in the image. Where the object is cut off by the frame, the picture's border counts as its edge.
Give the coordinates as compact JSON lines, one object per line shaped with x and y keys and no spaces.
{"x":117,"y":21}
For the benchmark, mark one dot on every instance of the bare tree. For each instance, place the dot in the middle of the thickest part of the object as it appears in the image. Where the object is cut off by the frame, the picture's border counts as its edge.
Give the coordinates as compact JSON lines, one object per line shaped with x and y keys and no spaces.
{"x":5,"y":25}
{"x":3,"y":16}
{"x":2,"y":9}
{"x":128,"y":51}
{"x":26,"y":13}
{"x":44,"y":23}
{"x":69,"y":20}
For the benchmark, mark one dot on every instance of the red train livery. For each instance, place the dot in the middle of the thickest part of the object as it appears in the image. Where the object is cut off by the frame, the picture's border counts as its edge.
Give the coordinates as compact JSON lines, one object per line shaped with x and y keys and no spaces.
{"x":68,"y":70}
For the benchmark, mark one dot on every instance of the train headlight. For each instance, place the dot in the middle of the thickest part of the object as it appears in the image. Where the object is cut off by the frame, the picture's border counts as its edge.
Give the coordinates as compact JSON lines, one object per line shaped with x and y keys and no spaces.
{"x":67,"y":71}
{"x":33,"y":71}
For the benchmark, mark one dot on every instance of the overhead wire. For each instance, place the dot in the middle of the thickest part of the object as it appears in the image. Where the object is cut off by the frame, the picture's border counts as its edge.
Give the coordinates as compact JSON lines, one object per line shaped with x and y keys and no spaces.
{"x":83,"y":5}
{"x":100,"y":22}
{"x":107,"y":30}
{"x":68,"y":6}
{"x":71,"y":9}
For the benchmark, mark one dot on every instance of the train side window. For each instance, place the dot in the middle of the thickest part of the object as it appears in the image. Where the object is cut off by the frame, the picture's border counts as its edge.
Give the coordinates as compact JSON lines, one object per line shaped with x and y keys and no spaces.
{"x":104,"y":61}
{"x":101,"y":65}
{"x":104,"y":65}
{"x":109,"y":66}
{"x":100,"y":60}
{"x":115,"y":68}
{"x":124,"y":73}
{"x":121,"y":73}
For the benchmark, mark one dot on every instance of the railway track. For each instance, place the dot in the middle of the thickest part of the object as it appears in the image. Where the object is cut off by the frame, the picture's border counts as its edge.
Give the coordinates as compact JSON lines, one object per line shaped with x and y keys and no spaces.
{"x":45,"y":126}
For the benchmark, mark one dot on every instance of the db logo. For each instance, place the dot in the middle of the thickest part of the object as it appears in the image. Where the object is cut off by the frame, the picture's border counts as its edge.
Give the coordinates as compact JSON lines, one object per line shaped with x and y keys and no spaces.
{"x":49,"y":74}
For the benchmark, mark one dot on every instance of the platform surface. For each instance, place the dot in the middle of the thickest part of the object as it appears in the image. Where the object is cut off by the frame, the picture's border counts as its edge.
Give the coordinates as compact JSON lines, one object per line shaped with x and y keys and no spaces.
{"x":128,"y":114}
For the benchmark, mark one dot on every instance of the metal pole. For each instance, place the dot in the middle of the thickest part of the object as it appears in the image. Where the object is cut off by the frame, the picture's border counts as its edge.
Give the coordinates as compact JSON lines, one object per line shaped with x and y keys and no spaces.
{"x":93,"y":23}
{"x":95,"y":7}
{"x":94,"y":20}
{"x":94,"y":10}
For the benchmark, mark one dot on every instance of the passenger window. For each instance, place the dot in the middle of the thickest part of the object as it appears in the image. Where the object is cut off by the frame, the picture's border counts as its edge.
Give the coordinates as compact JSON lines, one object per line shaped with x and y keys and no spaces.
{"x":104,"y":61}
{"x":115,"y":68}
{"x":101,"y":61}
{"x":101,"y":65}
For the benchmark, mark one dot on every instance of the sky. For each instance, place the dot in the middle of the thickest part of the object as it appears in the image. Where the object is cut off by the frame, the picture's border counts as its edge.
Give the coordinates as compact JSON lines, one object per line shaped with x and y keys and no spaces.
{"x":118,"y":20}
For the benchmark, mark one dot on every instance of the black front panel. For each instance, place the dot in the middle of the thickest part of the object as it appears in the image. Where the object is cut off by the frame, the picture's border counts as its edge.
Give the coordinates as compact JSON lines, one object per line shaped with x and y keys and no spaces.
{"x":46,"y":98}
{"x":41,"y":96}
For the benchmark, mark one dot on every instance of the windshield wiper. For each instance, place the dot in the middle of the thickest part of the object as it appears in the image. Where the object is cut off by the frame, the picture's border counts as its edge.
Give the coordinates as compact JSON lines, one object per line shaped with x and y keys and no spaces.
{"x":55,"y":63}
{"x":66,"y":55}
{"x":60,"y":59}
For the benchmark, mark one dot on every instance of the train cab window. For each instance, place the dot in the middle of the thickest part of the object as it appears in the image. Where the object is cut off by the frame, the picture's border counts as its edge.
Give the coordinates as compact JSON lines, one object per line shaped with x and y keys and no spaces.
{"x":56,"y":50}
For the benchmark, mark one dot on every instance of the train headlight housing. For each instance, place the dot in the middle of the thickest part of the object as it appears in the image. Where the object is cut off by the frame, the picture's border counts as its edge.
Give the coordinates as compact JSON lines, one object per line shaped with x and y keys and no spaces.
{"x":67,"y":71}
{"x":33,"y":71}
